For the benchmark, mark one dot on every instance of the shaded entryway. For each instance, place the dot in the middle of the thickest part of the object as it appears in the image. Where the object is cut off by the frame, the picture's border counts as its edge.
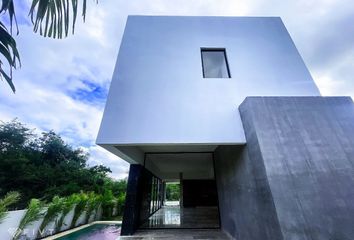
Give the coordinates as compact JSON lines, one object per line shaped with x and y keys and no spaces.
{"x":146,"y":206}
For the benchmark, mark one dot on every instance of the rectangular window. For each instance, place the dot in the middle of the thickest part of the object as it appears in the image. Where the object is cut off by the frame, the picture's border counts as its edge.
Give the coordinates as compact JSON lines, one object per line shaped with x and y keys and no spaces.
{"x":214,"y":63}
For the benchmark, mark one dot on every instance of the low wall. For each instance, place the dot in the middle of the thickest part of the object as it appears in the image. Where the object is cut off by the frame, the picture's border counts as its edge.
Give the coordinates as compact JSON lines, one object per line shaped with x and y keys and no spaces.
{"x":9,"y":225}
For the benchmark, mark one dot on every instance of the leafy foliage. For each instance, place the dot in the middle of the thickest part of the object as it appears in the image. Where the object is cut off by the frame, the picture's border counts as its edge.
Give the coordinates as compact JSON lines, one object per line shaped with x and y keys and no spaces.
{"x":68,"y":204}
{"x":33,"y":213}
{"x":120,"y":204}
{"x":108,"y":203}
{"x":9,"y":199}
{"x":50,"y":17}
{"x":93,"y":203}
{"x":80,"y":207}
{"x":55,"y":207}
{"x":172,"y":192}
{"x":59,"y":207}
{"x":43,"y":167}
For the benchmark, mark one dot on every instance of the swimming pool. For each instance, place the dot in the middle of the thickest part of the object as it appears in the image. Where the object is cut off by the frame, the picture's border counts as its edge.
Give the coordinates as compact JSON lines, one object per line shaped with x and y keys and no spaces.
{"x":94,"y":232}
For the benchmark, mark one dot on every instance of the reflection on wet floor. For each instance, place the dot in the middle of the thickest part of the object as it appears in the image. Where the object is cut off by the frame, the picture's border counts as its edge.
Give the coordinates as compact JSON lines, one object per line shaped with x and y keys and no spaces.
{"x":176,"y":217}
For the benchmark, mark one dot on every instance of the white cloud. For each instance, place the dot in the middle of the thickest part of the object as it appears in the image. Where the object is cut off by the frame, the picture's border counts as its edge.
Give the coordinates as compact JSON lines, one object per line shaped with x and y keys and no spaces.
{"x":99,"y":156}
{"x":54,"y":72}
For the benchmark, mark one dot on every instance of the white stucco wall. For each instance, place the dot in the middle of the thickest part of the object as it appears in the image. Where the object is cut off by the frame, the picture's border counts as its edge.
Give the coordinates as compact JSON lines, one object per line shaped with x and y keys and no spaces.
{"x":67,"y":220}
{"x":9,"y":225}
{"x":158,"y":94}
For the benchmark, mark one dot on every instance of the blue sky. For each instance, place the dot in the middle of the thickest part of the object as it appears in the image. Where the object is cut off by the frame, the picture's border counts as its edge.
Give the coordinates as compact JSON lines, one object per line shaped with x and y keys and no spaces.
{"x":63,"y":84}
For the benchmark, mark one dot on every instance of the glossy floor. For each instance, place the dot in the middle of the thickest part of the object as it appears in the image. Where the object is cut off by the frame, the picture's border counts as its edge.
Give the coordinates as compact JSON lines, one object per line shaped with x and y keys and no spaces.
{"x":177,"y":234}
{"x":176,"y":217}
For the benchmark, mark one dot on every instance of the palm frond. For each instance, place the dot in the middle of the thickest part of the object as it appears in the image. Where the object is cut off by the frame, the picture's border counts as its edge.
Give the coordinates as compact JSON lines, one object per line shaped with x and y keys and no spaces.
{"x":80,"y":207}
{"x":8,"y":6}
{"x":68,"y":204}
{"x":33,"y":213}
{"x":52,"y":18}
{"x":9,"y":199}
{"x":53,"y":211}
{"x":8,"y":49}
{"x":92,"y":205}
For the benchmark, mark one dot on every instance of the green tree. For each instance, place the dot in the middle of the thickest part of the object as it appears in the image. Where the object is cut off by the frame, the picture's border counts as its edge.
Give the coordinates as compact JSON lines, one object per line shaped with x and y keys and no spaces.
{"x":51,"y":18}
{"x":45,"y":166}
{"x":172,"y":192}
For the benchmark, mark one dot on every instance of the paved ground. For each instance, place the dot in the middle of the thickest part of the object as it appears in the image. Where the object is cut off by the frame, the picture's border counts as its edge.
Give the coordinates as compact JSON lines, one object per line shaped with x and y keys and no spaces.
{"x":165,"y":222}
{"x":176,"y":217}
{"x":177,"y":234}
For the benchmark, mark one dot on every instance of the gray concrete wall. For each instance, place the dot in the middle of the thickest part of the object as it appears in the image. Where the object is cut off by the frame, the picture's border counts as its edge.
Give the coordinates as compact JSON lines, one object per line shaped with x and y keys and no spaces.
{"x":307,"y":148}
{"x":245,"y":202}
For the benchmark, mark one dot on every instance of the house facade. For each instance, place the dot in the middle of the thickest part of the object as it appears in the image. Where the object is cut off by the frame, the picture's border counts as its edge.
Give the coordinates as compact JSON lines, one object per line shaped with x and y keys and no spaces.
{"x":227,"y":107}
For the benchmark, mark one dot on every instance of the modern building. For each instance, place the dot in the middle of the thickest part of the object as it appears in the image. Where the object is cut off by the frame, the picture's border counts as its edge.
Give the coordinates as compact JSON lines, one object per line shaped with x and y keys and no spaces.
{"x":227,"y":107}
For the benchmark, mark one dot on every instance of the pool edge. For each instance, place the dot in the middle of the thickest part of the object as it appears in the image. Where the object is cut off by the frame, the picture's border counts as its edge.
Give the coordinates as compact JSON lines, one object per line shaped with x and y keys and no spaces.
{"x":62,"y":234}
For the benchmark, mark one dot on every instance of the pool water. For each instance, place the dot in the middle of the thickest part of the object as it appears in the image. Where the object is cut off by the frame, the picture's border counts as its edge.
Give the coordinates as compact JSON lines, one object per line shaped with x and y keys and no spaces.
{"x":95,"y":232}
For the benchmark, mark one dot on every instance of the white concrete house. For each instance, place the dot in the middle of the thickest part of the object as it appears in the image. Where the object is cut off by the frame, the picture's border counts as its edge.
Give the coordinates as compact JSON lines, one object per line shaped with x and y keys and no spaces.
{"x":225,"y":102}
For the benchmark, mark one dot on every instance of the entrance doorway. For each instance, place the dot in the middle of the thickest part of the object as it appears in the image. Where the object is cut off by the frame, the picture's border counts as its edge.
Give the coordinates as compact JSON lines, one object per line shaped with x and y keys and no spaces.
{"x":189,"y":191}
{"x":172,"y":194}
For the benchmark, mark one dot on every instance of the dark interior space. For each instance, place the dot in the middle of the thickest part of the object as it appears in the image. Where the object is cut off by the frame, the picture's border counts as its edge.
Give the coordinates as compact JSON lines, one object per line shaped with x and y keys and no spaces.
{"x":199,"y":193}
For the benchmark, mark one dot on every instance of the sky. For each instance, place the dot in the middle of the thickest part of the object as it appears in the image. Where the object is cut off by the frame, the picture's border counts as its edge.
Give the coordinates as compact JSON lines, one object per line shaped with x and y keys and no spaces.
{"x":63,"y":84}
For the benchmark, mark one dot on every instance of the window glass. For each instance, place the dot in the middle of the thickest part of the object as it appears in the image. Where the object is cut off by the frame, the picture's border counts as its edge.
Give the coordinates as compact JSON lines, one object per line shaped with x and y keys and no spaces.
{"x":215,"y":64}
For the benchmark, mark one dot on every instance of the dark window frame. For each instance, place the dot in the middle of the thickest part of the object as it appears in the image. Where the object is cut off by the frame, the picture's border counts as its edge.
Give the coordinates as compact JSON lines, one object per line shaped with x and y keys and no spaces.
{"x":206,"y":49}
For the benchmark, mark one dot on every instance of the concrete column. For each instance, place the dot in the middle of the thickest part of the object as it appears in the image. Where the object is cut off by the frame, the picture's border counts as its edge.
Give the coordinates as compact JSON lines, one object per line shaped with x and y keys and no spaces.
{"x":181,"y":189}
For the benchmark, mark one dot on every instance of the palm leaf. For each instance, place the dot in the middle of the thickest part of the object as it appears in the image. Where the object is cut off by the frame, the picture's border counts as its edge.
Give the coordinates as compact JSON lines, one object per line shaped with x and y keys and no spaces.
{"x":92,"y":205}
{"x":33,"y":213}
{"x":80,"y":207}
{"x":50,"y":17}
{"x":68,"y":204}
{"x":54,"y":209}
{"x":9,"y":199}
{"x":8,"y":49}
{"x":8,"y":6}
